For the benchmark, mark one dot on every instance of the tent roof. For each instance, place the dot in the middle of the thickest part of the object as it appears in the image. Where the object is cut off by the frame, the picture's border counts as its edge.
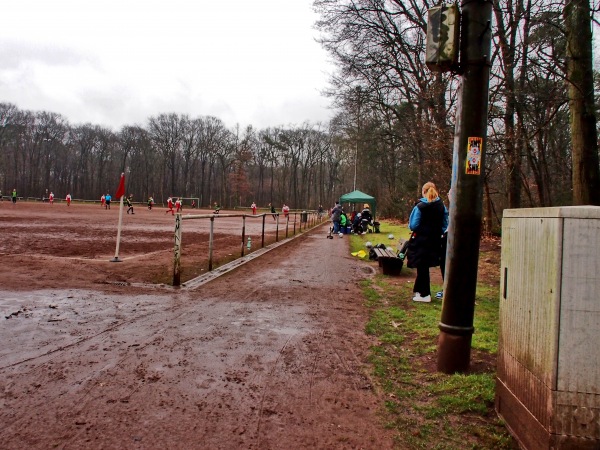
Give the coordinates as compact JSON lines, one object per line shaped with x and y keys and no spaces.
{"x":359,"y":197}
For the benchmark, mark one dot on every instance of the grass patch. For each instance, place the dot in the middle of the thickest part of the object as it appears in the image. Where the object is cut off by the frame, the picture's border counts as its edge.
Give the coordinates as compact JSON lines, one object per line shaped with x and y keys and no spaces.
{"x":425,"y":408}
{"x":358,"y":241}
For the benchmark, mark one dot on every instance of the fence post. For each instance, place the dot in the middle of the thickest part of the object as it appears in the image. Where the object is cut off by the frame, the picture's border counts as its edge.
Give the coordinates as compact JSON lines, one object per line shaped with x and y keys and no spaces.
{"x":287,"y":225}
{"x":277,"y":229}
{"x":210,"y":243}
{"x":262,"y":244}
{"x":243,"y":232}
{"x":177,"y":252}
{"x":295,"y":219}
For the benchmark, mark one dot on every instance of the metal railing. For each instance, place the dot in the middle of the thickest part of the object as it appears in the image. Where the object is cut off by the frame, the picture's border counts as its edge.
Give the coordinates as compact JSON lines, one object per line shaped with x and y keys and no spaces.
{"x":308,"y":219}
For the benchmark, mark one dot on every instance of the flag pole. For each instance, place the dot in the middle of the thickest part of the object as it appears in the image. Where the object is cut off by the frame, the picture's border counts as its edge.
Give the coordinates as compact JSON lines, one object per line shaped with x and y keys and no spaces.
{"x":121,"y":191}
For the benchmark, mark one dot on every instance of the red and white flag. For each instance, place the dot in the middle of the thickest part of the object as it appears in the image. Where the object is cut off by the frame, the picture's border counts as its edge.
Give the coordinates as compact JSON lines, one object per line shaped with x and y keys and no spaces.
{"x":121,"y":189}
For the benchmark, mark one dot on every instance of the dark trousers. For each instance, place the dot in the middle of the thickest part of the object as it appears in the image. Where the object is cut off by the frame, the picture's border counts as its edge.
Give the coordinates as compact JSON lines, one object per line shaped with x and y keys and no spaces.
{"x":422,"y":281}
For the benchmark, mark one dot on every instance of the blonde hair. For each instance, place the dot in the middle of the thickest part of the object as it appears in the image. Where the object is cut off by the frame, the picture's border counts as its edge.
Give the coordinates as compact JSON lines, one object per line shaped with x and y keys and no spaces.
{"x":430,"y":191}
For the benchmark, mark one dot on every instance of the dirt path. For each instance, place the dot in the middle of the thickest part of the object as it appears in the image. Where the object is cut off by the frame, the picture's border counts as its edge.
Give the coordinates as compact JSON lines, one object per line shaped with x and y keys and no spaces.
{"x":269,"y":356}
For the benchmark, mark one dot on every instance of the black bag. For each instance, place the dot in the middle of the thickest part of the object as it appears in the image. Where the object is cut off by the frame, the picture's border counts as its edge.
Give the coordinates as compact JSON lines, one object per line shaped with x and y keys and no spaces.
{"x":372,"y":254}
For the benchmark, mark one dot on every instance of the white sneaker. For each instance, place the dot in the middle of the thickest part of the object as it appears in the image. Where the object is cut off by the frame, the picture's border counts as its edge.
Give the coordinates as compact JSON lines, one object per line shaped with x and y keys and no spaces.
{"x":418,"y":298}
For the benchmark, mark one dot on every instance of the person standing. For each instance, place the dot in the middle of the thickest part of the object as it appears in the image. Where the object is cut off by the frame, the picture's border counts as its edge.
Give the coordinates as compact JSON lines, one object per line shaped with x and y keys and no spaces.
{"x":320,"y":211}
{"x":51,"y":198}
{"x":150,"y":203}
{"x":253,"y":206}
{"x":107,"y":200}
{"x":14,"y":196}
{"x":128,"y":200}
{"x":102,"y":200}
{"x":178,"y":206}
{"x":68,"y":199}
{"x":336,"y":213}
{"x":170,"y":206}
{"x":427,"y":221}
{"x":285,"y":210}
{"x":273,"y":212}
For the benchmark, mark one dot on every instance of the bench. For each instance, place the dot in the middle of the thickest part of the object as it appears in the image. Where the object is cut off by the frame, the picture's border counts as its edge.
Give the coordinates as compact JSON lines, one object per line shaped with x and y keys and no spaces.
{"x":388,"y":261}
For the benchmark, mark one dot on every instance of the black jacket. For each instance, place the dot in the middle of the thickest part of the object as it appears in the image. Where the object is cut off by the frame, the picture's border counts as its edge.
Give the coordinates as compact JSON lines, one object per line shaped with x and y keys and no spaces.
{"x":425,"y":243}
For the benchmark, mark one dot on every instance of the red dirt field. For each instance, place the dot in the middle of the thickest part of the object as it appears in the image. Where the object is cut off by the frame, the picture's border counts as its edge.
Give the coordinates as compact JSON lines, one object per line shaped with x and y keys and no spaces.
{"x":98,"y":354}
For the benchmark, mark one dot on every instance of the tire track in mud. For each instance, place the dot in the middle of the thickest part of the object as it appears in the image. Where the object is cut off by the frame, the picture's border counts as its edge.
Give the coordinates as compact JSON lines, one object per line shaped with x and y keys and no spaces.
{"x":265,"y":389}
{"x":44,"y":372}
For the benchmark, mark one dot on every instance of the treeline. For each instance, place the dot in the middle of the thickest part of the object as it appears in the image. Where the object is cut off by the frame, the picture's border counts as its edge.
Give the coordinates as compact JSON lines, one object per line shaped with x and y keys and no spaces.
{"x":173,"y":155}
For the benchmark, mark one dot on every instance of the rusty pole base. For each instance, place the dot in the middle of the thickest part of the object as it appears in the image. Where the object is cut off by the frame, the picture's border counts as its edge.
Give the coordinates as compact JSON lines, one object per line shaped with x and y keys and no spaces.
{"x":454,"y":353}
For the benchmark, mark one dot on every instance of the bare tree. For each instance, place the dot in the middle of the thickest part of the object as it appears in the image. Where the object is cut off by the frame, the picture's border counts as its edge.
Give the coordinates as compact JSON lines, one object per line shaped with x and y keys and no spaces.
{"x":166,"y":133}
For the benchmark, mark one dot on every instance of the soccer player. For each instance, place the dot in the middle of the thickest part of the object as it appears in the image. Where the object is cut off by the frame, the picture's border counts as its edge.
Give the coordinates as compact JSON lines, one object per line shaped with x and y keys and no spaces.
{"x":68,"y":199}
{"x":129,"y":203}
{"x":170,"y":206}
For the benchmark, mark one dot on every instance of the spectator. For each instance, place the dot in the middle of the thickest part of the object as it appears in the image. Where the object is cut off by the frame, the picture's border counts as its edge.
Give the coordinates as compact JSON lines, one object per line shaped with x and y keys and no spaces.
{"x":427,"y":221}
{"x":336,"y":213}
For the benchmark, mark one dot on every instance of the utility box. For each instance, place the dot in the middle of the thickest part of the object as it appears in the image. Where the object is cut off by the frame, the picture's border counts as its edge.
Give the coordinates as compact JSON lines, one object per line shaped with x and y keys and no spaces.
{"x":548,"y":378}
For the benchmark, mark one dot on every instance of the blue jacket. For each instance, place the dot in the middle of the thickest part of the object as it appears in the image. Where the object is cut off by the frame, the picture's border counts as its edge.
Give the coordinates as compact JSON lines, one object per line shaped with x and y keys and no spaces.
{"x":415,"y":216}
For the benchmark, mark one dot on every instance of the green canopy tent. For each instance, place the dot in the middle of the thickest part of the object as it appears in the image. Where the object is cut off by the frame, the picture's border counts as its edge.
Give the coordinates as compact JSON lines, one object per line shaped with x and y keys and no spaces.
{"x":360,"y":197}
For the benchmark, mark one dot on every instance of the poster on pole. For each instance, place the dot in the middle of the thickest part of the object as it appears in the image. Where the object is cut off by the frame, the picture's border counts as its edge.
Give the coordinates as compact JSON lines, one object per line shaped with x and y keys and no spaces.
{"x":473,"y":162}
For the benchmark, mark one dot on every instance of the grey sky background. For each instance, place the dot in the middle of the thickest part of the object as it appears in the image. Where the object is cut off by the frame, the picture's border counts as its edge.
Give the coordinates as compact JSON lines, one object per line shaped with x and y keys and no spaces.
{"x":118,"y":62}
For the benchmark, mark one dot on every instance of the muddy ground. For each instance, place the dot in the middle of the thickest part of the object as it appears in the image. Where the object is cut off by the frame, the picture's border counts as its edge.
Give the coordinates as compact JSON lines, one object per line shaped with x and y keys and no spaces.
{"x":98,"y":354}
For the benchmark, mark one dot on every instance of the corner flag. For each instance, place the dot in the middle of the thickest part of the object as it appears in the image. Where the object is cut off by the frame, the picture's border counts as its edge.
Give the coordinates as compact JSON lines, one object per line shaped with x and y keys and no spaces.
{"x":119,"y":194}
{"x":121,"y":189}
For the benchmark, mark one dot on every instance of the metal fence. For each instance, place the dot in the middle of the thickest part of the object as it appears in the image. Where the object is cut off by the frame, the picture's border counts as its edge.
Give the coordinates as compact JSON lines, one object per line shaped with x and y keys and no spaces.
{"x":291,"y":225}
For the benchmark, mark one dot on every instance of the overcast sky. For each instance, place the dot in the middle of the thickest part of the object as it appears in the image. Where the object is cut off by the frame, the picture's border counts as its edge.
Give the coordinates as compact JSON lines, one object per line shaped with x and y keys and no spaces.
{"x":118,"y":62}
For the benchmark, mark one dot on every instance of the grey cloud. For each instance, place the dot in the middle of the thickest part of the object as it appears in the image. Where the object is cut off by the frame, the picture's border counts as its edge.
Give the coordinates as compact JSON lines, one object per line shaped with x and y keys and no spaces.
{"x":13,"y":54}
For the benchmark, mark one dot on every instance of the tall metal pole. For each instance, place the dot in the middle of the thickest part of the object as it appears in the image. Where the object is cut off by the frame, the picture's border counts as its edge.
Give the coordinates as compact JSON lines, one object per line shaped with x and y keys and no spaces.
{"x":358,"y":97}
{"x":470,"y":145}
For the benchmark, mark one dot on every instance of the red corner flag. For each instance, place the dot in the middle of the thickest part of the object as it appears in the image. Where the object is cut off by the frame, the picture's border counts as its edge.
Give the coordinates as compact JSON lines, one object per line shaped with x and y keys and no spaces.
{"x":121,"y":189}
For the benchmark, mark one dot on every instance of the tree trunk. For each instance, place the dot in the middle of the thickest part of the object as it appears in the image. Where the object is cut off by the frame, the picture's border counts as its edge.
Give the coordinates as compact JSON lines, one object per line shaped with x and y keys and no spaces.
{"x":586,"y":174}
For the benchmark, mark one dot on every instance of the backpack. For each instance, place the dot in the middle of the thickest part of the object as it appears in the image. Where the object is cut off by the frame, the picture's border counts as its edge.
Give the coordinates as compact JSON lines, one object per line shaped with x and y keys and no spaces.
{"x":372,"y":254}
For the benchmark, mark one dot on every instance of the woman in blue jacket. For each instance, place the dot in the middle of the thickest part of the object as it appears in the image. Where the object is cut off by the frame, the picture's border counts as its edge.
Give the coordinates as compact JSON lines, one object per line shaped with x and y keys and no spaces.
{"x":428,"y":221}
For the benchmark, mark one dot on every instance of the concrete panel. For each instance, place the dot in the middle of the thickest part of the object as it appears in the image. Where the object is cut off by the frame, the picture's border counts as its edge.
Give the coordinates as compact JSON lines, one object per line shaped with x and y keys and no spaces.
{"x":579,"y":357}
{"x":528,"y":308}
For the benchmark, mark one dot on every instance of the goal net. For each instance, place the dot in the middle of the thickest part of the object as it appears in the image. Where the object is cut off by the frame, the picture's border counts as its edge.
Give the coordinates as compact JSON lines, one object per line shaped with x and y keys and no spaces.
{"x":190,"y":202}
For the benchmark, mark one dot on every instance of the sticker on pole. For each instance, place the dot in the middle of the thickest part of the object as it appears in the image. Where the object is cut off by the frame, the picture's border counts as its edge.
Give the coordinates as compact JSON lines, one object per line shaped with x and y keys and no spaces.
{"x":473,"y":164}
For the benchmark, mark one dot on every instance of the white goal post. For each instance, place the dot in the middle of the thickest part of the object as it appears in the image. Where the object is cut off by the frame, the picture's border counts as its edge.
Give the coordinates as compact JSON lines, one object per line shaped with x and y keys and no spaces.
{"x":190,"y":202}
